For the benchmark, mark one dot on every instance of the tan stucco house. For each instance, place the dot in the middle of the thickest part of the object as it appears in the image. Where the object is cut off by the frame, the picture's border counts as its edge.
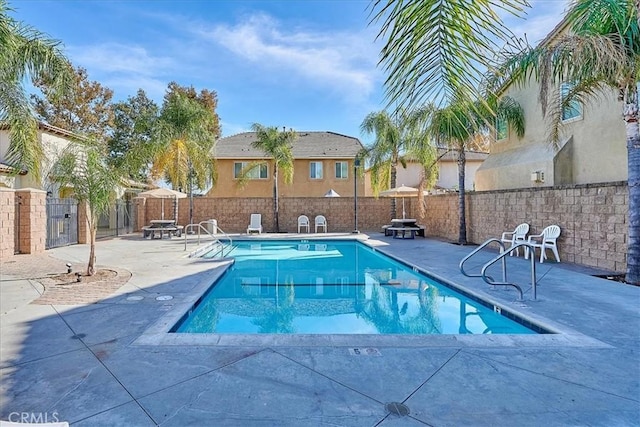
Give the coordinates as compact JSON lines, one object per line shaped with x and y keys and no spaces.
{"x":322,"y":161}
{"x":447,"y":171}
{"x":591,"y":149}
{"x":54,"y":141}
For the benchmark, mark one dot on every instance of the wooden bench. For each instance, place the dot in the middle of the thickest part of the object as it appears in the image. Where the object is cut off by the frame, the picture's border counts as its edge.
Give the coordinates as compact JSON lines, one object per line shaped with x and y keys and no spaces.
{"x":398,"y":230}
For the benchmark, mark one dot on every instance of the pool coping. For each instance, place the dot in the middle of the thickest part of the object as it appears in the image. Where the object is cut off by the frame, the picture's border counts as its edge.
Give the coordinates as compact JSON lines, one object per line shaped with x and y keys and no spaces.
{"x":159,"y":333}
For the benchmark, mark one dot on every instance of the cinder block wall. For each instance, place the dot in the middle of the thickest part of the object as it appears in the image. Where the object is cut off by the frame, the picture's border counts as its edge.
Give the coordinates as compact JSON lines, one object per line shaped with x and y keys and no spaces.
{"x":593,"y":219}
{"x":7,"y":222}
{"x":233,"y":214}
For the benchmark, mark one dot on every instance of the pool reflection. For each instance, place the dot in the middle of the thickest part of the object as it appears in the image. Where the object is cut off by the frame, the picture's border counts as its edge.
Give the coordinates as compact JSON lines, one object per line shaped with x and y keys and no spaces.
{"x":327,"y":288}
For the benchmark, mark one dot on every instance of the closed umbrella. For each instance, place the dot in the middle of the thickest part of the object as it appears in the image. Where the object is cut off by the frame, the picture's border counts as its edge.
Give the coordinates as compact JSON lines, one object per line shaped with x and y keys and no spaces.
{"x":402,"y":191}
{"x":163,"y":193}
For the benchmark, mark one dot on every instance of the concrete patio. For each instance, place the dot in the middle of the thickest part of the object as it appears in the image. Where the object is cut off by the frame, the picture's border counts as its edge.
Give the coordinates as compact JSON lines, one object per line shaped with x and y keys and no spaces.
{"x":90,"y":364}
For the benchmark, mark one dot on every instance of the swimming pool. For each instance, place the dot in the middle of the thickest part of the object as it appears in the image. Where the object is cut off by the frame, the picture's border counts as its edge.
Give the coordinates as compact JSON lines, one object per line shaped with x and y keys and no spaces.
{"x":333,"y":287}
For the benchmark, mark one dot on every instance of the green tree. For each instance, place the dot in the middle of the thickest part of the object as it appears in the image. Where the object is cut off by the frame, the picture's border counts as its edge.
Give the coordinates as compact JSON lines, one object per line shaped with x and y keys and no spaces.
{"x":183,"y":142}
{"x":85,"y":170}
{"x":436,"y":49}
{"x":459,"y":125}
{"x":133,"y":126}
{"x":398,"y":138}
{"x":26,"y":54}
{"x":86,"y":110}
{"x":207,"y":98}
{"x":600,"y":53}
{"x":276,"y":144}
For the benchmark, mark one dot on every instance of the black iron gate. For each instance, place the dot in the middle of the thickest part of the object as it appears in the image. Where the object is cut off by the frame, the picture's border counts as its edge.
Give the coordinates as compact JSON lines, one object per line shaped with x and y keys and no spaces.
{"x":62,"y":222}
{"x":118,"y":220}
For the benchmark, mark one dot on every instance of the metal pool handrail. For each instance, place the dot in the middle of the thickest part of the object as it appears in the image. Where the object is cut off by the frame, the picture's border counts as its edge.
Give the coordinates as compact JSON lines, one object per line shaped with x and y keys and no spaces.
{"x":478,"y":249}
{"x":201,"y":228}
{"x":488,"y":279}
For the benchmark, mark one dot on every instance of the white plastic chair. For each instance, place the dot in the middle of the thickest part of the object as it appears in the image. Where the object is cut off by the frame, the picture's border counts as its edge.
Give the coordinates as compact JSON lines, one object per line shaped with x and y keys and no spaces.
{"x":321,"y":222}
{"x":303,"y":221}
{"x":519,"y":235}
{"x":255,"y":224}
{"x":545,"y":240}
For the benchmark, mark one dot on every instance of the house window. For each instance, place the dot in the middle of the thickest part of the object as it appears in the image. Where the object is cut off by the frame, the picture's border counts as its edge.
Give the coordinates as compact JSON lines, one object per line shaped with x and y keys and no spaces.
{"x":315,"y":170}
{"x":341,"y":170}
{"x":501,"y":129}
{"x":256,"y":172}
{"x":574,"y":109}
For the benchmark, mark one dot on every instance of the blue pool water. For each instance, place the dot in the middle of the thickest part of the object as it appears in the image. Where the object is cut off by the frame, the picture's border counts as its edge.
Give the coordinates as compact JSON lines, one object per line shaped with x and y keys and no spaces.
{"x":333,"y":287}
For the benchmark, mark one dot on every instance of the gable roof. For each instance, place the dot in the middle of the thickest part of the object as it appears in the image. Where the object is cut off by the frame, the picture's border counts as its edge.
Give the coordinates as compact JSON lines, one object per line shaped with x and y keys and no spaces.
{"x":308,"y":145}
{"x":447,"y":155}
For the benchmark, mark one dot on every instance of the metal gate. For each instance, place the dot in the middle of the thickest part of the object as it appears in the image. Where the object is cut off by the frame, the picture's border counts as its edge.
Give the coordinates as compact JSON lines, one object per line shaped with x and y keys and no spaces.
{"x":118,"y":220}
{"x":62,"y":222}
{"x":16,"y":224}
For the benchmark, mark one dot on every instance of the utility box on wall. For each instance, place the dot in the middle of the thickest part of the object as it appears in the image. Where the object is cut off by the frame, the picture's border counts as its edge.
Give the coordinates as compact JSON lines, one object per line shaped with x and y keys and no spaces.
{"x":537,"y":176}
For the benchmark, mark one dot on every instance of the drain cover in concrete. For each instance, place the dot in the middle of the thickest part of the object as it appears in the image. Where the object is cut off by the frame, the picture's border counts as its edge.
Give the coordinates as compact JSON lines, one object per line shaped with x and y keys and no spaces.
{"x":164,"y":298}
{"x":364,"y":351}
{"x":135,"y":298}
{"x":397,"y":408}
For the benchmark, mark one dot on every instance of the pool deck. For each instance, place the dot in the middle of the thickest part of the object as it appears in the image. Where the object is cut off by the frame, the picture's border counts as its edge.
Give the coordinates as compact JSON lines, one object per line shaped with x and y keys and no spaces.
{"x":109,"y":363}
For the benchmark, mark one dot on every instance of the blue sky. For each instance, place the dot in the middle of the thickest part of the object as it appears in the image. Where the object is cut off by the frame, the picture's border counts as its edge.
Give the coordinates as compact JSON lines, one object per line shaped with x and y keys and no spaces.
{"x":309,"y":65}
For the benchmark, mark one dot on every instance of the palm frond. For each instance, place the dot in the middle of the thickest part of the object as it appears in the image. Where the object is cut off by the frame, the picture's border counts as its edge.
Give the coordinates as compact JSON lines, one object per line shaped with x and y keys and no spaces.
{"x":436,"y":46}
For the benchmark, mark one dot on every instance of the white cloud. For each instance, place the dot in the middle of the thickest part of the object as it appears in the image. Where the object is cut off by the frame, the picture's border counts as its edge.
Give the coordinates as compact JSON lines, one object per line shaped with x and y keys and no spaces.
{"x":124,"y":68}
{"x":120,"y":58}
{"x":344,"y":62}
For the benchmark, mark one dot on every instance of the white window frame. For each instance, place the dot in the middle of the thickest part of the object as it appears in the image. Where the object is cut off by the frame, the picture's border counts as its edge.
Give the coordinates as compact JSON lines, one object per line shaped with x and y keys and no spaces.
{"x":313,"y":175}
{"x":259,"y":167}
{"x":575,"y":105}
{"x":340,"y":167}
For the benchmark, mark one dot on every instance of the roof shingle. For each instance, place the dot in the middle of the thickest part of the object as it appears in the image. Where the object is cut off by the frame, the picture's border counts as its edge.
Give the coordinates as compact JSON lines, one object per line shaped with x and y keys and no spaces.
{"x":308,"y":145}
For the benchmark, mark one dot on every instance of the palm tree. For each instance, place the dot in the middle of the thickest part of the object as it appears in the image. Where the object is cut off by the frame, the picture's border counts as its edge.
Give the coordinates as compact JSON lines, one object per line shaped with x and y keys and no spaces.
{"x":93,"y":181}
{"x":183,"y":144}
{"x":26,"y":53}
{"x":276,"y":144}
{"x":435,"y":48}
{"x":398,"y":139}
{"x":460,"y":123}
{"x":600,"y":53}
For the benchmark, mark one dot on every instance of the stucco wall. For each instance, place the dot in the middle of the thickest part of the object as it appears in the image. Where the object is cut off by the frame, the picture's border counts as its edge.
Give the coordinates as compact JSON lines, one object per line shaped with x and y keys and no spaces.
{"x":302,"y":186}
{"x":597,"y":152}
{"x":53,"y":146}
{"x":447,"y":175}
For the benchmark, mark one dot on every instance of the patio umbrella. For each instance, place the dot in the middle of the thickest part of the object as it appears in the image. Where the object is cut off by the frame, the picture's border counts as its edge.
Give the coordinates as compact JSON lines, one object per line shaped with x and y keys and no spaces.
{"x":331,"y":193}
{"x":402,"y":191}
{"x":163,"y":193}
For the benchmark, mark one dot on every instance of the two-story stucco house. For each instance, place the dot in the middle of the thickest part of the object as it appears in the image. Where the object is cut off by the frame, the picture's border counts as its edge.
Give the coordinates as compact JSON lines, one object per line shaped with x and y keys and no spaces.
{"x":447,"y":171}
{"x":592,"y":146}
{"x":54,"y":141}
{"x":322,"y":161}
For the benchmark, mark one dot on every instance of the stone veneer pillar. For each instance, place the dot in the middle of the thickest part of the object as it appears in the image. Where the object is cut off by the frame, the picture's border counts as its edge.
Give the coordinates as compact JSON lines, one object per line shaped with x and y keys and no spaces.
{"x":7,"y":222}
{"x":33,"y":220}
